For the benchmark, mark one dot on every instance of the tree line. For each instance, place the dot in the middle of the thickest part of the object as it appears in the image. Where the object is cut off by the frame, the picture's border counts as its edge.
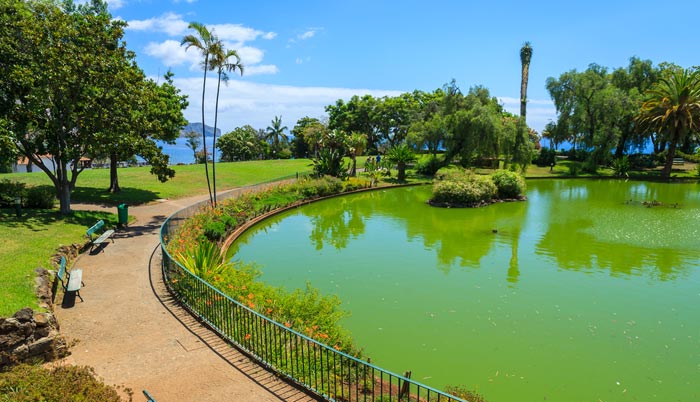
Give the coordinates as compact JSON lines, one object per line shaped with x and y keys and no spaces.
{"x":611,"y":113}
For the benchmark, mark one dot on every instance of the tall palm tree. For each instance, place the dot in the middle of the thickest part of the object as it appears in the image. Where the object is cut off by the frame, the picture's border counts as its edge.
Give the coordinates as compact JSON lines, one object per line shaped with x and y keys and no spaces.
{"x":672,"y":109}
{"x":205,"y":41}
{"x":525,"y":56}
{"x":221,"y":62}
{"x":275,"y":132}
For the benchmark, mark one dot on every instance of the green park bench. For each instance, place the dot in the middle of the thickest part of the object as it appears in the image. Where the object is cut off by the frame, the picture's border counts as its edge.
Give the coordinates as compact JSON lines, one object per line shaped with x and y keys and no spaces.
{"x":97,"y":239}
{"x":70,"y":281}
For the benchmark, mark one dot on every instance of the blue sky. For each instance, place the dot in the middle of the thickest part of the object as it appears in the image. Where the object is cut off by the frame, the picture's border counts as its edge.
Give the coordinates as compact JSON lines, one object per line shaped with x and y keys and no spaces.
{"x":302,"y":55}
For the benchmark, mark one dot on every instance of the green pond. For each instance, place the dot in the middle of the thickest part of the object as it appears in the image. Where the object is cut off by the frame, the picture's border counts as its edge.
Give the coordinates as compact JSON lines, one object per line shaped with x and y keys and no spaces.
{"x":585,"y":292}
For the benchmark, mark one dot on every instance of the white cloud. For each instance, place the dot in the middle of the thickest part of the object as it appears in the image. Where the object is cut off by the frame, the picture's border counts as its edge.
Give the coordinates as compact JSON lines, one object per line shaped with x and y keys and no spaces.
{"x":307,"y":35}
{"x":244,"y":102}
{"x":259,"y":69}
{"x":299,"y":60}
{"x":115,"y":4}
{"x":171,"y":53}
{"x":239,"y":33}
{"x":169,"y":23}
{"x":249,"y":55}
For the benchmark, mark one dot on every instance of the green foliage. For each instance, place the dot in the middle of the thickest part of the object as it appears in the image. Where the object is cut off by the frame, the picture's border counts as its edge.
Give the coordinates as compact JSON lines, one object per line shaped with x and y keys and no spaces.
{"x":25,"y":383}
{"x":429,"y":166}
{"x":204,"y":260}
{"x":463,"y":188}
{"x":41,"y":197}
{"x":509,"y":184}
{"x":241,"y":144}
{"x":9,"y":190}
{"x":329,"y":162}
{"x":462,"y":392}
{"x":621,"y":166}
{"x":574,"y":169}
{"x":546,"y":157}
{"x":401,"y":155}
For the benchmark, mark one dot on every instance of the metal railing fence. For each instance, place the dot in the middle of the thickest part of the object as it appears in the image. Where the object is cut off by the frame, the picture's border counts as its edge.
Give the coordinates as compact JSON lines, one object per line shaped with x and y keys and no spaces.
{"x":325,"y":371}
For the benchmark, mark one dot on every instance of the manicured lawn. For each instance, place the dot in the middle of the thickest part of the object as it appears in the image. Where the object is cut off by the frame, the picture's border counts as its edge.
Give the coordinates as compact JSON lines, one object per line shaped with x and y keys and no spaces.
{"x":28,"y":242}
{"x":139,"y":186}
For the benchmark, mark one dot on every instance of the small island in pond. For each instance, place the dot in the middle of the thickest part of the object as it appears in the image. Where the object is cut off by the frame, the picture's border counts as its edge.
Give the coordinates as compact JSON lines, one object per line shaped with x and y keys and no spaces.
{"x":461,"y":188}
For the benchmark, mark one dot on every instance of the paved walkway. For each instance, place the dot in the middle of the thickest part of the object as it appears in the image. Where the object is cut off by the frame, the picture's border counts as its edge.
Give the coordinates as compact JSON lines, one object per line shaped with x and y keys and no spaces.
{"x":133,"y":335}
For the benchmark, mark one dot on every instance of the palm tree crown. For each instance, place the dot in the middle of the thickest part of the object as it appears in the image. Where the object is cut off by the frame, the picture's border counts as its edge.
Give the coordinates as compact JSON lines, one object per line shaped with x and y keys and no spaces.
{"x":275,"y":132}
{"x":672,"y":108}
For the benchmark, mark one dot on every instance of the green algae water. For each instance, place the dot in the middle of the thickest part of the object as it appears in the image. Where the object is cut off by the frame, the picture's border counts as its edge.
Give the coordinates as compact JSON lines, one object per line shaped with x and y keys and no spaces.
{"x":589,"y":291}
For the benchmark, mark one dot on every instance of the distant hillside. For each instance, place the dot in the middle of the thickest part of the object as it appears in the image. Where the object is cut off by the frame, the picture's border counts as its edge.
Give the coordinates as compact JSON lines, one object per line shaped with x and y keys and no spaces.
{"x":197,"y":128}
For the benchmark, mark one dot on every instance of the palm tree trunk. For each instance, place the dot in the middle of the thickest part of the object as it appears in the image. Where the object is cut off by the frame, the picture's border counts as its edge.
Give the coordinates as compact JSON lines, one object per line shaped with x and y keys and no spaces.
{"x":213,"y":147}
{"x":666,"y":172}
{"x":523,"y":89}
{"x":204,"y":131}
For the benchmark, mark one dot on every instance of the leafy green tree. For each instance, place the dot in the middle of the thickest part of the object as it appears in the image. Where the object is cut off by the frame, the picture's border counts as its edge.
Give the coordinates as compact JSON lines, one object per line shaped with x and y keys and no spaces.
{"x":193,"y":143}
{"x":356,"y":115}
{"x":241,"y":144}
{"x":206,"y":42}
{"x":154,"y":113}
{"x":276,"y":134}
{"x":672,"y":107}
{"x":401,"y":155}
{"x":64,"y":72}
{"x":300,"y":147}
{"x":525,"y":57}
{"x":222,"y":62}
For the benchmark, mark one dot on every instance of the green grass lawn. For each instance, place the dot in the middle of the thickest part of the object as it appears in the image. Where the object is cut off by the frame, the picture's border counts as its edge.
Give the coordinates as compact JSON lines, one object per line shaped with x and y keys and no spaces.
{"x":28,"y":242}
{"x":139,"y":186}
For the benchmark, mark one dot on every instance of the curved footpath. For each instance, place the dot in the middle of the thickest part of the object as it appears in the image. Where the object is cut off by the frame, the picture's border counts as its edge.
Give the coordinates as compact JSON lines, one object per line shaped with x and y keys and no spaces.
{"x":135,"y":336}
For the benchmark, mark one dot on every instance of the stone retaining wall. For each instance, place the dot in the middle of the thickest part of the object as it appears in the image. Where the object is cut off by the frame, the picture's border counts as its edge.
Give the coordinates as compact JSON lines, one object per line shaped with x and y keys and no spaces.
{"x":28,"y":336}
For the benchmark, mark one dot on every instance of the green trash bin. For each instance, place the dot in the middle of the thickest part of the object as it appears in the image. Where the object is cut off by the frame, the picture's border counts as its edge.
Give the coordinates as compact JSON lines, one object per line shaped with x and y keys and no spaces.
{"x":123,"y":213}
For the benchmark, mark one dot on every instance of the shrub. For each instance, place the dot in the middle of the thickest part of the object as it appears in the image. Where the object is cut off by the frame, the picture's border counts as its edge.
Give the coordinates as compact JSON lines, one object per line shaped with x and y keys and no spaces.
{"x":9,"y":190}
{"x":460,"y":391}
{"x":61,"y":383}
{"x":43,"y":197}
{"x":429,"y":167}
{"x":474,"y":190}
{"x":509,"y":184}
{"x":574,"y":169}
{"x":214,"y":230}
{"x":621,"y":166}
{"x":546,"y":157}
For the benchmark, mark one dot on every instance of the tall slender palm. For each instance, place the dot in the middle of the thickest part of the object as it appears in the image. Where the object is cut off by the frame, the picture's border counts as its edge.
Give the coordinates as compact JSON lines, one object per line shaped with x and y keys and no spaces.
{"x":221,"y":62}
{"x":672,"y":109}
{"x":205,"y":41}
{"x":525,"y":57}
{"x":275,"y":132}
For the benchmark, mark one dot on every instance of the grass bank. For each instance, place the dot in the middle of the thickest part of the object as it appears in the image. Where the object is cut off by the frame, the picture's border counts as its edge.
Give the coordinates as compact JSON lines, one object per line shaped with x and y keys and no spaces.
{"x":140,"y":186}
{"x":29,"y":242}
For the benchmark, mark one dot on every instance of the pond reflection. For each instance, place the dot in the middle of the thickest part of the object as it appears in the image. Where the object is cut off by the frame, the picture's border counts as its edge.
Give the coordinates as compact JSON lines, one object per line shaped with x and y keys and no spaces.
{"x":585,"y":280}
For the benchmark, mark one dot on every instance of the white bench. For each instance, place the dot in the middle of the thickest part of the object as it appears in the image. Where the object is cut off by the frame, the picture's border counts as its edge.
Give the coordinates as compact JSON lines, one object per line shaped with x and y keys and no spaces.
{"x":93,"y":231}
{"x":71,"y":281}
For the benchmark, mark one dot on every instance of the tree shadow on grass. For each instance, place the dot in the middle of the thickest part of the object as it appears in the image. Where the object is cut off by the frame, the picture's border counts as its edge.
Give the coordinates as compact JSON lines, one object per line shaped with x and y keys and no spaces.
{"x":99,"y":195}
{"x":38,"y":220}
